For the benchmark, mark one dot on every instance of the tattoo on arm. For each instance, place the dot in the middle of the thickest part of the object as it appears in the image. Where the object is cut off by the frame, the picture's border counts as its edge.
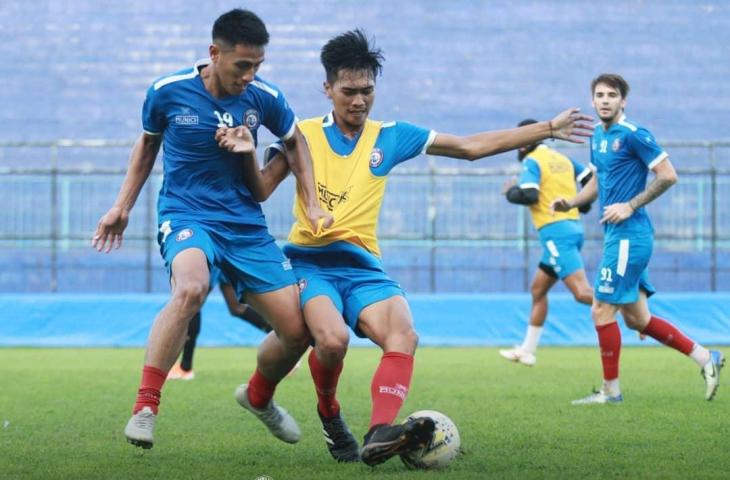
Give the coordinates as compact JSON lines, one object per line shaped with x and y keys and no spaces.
{"x":653,"y":190}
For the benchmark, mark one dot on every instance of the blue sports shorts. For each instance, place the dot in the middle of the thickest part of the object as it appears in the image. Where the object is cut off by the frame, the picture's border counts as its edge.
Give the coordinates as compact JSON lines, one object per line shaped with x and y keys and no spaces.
{"x":623,"y":270}
{"x":350,"y":288}
{"x":247,"y":256}
{"x":562,"y":254}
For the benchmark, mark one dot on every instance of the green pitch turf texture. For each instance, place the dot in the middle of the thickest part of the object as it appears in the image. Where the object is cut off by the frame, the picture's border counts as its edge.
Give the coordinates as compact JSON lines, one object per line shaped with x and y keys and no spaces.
{"x":62,"y":412}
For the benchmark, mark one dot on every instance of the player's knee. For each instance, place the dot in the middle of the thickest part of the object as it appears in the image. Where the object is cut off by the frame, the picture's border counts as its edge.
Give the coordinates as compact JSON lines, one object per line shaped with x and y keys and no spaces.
{"x":294,"y":337}
{"x":190,"y":296}
{"x":537,"y":292}
{"x":332,"y":346}
{"x":600,"y":314}
{"x":634,"y":322}
{"x":408,"y":339}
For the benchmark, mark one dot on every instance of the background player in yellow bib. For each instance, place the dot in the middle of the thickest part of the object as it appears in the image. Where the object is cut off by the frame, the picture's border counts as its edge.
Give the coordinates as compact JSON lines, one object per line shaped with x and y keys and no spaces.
{"x":548,"y":174}
{"x":340,"y":273}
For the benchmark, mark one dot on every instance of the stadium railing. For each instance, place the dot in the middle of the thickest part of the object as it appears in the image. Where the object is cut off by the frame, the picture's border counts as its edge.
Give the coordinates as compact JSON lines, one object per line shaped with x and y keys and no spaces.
{"x":443,"y":225}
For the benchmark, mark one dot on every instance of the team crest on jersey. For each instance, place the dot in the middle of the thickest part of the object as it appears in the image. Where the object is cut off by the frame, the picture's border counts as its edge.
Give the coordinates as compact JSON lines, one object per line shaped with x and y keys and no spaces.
{"x":183,"y":235}
{"x":376,"y":158}
{"x":616,"y":145}
{"x":251,"y":119}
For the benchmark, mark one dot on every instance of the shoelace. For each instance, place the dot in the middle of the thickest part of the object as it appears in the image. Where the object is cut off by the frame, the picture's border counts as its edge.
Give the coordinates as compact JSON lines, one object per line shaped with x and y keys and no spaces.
{"x":271,"y":415}
{"x":145,"y":420}
{"x":336,"y":430}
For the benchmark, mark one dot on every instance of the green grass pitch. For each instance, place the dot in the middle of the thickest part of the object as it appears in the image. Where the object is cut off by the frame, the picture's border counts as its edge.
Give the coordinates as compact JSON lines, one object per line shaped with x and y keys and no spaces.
{"x":62,"y":412}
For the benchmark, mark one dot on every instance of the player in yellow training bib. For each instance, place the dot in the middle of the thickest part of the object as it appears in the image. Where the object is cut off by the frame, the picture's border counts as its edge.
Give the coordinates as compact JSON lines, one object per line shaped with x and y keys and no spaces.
{"x":546,"y":175}
{"x":340,"y":273}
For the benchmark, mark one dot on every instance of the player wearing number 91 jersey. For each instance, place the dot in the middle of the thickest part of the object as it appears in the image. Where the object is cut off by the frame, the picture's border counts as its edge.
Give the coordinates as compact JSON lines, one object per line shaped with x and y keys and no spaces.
{"x":622,"y":153}
{"x":622,"y":156}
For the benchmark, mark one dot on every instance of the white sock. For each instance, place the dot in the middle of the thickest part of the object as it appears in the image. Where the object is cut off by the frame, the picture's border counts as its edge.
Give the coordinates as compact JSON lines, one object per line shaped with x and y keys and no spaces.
{"x":700,"y":355}
{"x":532,"y":338}
{"x":611,"y":387}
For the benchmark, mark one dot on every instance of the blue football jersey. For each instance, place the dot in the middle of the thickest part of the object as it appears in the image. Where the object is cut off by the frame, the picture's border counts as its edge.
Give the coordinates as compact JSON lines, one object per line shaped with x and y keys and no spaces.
{"x":622,"y":157}
{"x":201,"y":180}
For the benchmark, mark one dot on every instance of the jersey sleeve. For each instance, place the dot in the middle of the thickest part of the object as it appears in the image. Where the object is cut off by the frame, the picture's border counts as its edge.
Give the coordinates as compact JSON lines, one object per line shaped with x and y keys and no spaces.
{"x":271,"y":151}
{"x":530,"y":176}
{"x":402,"y":141}
{"x":580,"y":171}
{"x":644,"y":146}
{"x":153,"y":119}
{"x":279,"y":117}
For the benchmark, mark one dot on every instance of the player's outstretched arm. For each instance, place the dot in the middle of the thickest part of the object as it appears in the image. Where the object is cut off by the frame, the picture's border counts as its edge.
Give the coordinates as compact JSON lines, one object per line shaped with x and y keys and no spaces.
{"x":586,"y":196}
{"x":300,"y":163}
{"x":110,"y":229}
{"x":570,"y":125}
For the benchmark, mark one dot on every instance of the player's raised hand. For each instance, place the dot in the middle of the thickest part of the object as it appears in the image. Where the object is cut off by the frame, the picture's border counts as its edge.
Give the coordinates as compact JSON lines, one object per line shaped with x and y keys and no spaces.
{"x":236,"y":140}
{"x":571,"y":125}
{"x":560,"y":205}
{"x":616,"y":212}
{"x":110,"y":230}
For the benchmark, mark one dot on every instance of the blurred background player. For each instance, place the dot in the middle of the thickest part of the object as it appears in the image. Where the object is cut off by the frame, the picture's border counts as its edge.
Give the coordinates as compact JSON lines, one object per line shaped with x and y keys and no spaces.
{"x":340,"y":272}
{"x":546,"y":175}
{"x":622,"y":154}
{"x":208,"y":216}
{"x":184,"y":369}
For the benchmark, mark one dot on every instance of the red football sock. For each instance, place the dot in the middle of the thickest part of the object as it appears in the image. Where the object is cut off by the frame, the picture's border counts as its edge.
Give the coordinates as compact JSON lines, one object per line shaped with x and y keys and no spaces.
{"x":390,"y":386}
{"x":260,"y":390}
{"x":325,"y":383}
{"x":609,"y":339}
{"x":150,"y":388}
{"x":669,"y":335}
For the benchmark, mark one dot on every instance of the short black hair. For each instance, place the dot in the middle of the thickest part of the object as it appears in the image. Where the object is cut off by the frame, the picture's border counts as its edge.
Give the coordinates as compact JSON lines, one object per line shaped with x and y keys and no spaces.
{"x":527,"y":149}
{"x":240,"y":26}
{"x":527,"y":121}
{"x":351,"y":51}
{"x":613,"y":80}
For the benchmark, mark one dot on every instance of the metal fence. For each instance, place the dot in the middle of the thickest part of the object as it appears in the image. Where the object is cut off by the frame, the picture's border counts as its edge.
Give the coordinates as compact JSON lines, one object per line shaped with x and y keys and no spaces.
{"x":444,"y":225}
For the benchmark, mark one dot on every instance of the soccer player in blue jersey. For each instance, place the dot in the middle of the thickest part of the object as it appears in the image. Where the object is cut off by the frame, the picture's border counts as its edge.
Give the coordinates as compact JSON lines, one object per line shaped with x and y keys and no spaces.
{"x":340,"y":273}
{"x":548,"y":174}
{"x":622,"y":154}
{"x":208,"y":217}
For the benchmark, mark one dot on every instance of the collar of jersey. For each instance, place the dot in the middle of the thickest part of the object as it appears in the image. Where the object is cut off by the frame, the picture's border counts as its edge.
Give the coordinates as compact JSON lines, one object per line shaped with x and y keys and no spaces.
{"x":341,"y":145}
{"x":622,"y":118}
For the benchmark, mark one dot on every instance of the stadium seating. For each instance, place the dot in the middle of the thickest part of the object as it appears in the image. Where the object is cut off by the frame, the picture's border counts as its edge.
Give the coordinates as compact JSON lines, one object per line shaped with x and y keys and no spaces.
{"x":80,"y":70}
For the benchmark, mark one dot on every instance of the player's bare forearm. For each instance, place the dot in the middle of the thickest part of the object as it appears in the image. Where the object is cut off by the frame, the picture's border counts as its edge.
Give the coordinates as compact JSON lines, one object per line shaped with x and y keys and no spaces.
{"x":587,"y":194}
{"x":569,"y":125}
{"x":486,"y":144}
{"x":300,"y":163}
{"x":109,"y":231}
{"x":273,"y":173}
{"x":141,"y":161}
{"x":665,"y":177}
{"x":252,"y":176}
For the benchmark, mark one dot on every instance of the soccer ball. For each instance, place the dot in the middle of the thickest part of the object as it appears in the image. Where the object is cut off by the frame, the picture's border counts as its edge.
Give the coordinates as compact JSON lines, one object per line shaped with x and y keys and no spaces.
{"x":443,"y":447}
